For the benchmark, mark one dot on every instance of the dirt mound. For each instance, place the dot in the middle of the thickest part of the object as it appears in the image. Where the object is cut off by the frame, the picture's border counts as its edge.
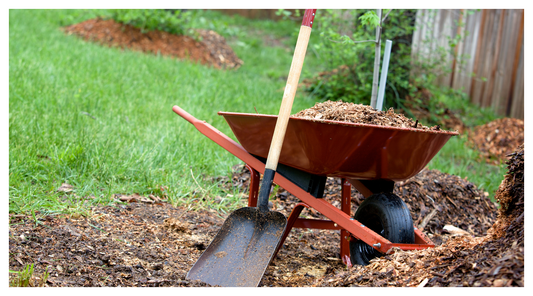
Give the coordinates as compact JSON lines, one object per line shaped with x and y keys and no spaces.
{"x":211,"y":50}
{"x":498,"y":138}
{"x":358,"y":113}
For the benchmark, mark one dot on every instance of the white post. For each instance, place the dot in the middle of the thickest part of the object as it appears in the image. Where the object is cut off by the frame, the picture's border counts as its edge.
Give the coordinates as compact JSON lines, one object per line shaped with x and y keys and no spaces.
{"x":384,"y":71}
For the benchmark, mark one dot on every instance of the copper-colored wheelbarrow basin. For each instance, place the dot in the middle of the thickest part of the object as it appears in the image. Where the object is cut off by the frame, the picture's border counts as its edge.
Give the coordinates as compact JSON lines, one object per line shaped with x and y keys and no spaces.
{"x":341,"y":149}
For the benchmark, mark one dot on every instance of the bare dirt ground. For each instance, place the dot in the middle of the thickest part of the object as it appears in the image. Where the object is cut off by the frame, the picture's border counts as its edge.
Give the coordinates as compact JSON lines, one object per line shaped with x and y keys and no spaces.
{"x":148,"y":242}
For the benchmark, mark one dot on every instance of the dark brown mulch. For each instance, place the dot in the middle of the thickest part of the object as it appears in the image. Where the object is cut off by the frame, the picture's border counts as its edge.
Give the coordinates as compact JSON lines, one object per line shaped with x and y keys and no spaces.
{"x":498,"y":138}
{"x":359,"y":113}
{"x":211,"y":49}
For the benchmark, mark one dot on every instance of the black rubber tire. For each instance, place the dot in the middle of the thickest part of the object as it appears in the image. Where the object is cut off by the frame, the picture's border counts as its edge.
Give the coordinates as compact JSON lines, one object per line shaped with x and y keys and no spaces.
{"x":388,"y":216}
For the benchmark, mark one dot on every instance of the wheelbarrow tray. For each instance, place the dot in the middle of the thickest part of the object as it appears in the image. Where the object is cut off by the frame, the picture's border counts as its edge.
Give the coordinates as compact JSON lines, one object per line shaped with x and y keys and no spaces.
{"x":341,"y":149}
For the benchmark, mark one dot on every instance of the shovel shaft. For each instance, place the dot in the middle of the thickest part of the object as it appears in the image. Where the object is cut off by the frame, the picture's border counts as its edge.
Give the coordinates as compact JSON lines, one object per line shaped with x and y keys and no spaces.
{"x":290,"y":90}
{"x":285,"y":109}
{"x":264,"y":191}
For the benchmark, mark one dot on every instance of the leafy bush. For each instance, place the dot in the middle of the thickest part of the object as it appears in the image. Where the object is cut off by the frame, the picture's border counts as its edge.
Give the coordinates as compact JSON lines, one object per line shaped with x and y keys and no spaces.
{"x":171,"y":21}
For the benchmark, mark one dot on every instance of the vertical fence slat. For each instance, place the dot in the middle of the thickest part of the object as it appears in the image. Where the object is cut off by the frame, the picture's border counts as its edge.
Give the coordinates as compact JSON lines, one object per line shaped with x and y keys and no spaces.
{"x":517,"y":105}
{"x":517,"y":80}
{"x":477,"y":58}
{"x":506,"y":84}
{"x":489,"y":48}
{"x":498,"y":62}
{"x":456,"y":66}
{"x":468,"y":52}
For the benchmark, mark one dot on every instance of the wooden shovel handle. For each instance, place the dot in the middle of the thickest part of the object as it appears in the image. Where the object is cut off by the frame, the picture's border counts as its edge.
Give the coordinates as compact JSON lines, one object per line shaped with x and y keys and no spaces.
{"x":290,"y":89}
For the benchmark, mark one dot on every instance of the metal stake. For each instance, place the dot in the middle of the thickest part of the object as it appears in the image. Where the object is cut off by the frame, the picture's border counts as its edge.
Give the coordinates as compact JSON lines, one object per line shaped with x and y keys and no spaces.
{"x":383,"y":79}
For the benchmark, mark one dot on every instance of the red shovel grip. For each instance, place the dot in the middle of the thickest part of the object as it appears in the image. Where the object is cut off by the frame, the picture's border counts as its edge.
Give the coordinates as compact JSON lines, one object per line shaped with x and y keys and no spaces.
{"x":309,"y":17}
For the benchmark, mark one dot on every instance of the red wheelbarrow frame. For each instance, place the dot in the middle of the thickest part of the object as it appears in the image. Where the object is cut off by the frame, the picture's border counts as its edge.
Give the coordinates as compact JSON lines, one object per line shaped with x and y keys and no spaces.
{"x":340,"y":219}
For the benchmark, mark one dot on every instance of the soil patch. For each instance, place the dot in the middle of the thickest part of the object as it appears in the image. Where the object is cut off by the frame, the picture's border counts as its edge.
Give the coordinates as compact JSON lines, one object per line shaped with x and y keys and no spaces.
{"x":359,"y":113}
{"x":211,"y":48}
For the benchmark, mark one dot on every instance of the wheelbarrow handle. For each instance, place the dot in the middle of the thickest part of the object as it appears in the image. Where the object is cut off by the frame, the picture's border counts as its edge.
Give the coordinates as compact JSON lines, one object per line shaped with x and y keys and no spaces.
{"x":184,"y":114}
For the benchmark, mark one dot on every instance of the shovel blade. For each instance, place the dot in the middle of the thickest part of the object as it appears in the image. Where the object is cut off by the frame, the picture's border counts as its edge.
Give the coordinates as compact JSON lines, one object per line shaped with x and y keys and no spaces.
{"x":242,"y":249}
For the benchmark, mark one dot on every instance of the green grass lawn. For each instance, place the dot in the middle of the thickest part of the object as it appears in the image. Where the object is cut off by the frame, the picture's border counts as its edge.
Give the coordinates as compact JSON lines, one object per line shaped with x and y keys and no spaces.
{"x":101,"y":118}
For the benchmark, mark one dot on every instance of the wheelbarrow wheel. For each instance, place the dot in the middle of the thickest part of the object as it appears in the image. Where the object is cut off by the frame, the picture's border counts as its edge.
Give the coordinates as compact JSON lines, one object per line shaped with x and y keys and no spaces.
{"x":387,"y":215}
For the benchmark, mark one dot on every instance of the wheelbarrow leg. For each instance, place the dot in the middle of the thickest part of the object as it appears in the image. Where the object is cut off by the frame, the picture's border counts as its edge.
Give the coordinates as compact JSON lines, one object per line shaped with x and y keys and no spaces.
{"x":346,"y":193}
{"x":295,"y":213}
{"x":254,"y":187}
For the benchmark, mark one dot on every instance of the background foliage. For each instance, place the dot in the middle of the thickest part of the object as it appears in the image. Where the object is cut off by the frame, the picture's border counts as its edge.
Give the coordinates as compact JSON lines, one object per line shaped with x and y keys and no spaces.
{"x":172,"y":21}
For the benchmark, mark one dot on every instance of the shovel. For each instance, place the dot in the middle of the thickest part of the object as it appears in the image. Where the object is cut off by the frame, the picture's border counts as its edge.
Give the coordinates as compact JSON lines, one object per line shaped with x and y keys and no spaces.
{"x":242,"y":249}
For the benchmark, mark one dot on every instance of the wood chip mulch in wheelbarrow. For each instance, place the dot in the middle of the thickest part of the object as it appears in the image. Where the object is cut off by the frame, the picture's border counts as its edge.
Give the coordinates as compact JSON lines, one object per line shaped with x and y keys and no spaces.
{"x":155,"y":244}
{"x":359,"y":113}
{"x":496,"y":139}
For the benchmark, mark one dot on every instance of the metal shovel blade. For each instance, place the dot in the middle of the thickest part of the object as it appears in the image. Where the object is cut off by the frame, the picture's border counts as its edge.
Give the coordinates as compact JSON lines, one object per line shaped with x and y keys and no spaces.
{"x":242,"y":249}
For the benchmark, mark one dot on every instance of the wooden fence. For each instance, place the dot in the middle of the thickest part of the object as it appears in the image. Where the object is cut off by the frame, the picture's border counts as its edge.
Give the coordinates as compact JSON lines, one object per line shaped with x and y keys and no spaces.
{"x":487,"y":63}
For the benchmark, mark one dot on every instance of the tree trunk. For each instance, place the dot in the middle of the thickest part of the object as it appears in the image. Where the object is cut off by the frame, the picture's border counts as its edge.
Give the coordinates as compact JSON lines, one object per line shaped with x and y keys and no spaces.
{"x":377,"y":57}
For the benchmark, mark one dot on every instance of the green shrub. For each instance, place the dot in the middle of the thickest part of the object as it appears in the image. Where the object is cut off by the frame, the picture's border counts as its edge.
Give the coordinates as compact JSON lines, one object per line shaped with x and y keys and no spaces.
{"x":171,"y":21}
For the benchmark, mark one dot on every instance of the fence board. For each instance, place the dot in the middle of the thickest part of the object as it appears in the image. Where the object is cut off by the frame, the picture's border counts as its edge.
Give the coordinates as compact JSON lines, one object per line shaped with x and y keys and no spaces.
{"x":467,"y":50}
{"x":517,"y":107}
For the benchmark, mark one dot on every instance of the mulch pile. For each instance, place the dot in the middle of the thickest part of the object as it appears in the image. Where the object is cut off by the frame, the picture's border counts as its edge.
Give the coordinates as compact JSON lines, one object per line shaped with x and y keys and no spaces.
{"x":496,"y":259}
{"x":498,"y":138}
{"x":359,"y":113}
{"x":211,"y":49}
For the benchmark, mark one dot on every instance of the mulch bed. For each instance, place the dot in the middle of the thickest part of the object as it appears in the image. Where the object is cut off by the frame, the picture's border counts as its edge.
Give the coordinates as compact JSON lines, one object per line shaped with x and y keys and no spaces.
{"x":211,"y":49}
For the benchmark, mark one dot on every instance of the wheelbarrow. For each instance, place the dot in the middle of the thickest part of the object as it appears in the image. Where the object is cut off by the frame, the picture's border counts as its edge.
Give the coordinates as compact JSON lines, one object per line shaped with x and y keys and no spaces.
{"x":370,"y":158}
